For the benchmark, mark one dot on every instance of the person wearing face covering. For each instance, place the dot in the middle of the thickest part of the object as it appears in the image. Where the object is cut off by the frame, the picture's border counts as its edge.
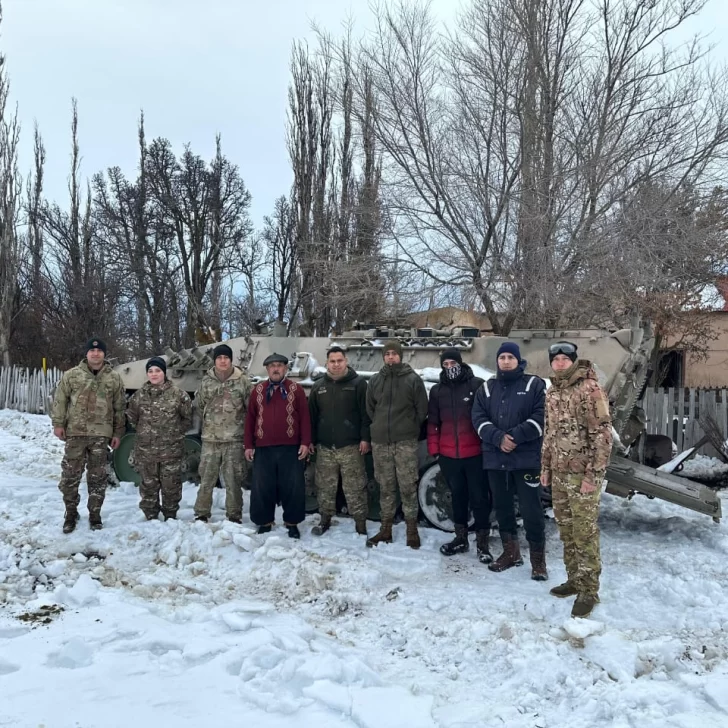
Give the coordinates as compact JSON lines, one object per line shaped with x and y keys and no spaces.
{"x":508,"y":414}
{"x":576,"y":451}
{"x":453,"y":440}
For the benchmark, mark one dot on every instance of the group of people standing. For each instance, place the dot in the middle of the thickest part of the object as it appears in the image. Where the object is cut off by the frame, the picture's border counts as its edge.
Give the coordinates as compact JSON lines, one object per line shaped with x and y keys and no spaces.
{"x":494,"y":440}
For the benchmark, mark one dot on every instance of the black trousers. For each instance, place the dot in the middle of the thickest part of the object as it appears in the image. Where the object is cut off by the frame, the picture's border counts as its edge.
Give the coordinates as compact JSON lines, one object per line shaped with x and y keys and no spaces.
{"x":277,"y":478}
{"x":526,"y":485}
{"x":469,"y":485}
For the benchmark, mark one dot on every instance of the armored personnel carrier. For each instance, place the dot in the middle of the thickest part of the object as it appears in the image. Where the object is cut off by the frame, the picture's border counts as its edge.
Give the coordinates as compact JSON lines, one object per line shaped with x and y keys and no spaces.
{"x":621,"y":359}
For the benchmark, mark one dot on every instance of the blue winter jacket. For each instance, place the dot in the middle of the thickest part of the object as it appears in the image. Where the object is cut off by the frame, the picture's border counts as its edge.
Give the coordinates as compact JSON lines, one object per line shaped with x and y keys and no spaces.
{"x":511,"y":405}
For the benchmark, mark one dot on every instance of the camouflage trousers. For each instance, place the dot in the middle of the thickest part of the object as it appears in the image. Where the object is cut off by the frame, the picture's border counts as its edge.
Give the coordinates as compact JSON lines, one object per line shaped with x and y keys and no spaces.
{"x":576,"y":516}
{"x":397,"y":464}
{"x":91,"y":452}
{"x":349,"y":463}
{"x":224,"y":460}
{"x":160,"y":478}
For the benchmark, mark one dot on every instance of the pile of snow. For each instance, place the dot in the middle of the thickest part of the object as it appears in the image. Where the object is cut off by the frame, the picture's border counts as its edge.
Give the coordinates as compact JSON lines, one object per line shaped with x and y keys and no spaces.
{"x":191,"y":624}
{"x":703,"y":467}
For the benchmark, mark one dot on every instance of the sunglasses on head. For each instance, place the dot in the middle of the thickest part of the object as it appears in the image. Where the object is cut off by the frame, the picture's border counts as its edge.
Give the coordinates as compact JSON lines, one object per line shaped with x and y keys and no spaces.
{"x":563,"y":347}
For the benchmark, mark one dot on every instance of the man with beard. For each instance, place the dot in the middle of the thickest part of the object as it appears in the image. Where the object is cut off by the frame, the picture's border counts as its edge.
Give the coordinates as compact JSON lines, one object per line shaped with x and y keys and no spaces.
{"x":397,"y":405}
{"x":340,"y":427}
{"x":277,"y":442}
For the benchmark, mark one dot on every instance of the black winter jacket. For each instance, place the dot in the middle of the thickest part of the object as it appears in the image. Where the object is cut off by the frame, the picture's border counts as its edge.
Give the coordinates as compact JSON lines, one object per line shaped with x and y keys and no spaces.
{"x":338,"y":411}
{"x":511,"y":405}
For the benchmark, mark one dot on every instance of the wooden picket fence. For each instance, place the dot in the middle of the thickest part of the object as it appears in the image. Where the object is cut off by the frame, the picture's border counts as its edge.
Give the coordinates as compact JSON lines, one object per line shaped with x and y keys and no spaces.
{"x":27,"y":390}
{"x":676,"y":412}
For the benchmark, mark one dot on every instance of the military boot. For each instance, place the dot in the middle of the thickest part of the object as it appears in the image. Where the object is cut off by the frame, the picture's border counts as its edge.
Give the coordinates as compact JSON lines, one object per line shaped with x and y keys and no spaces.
{"x":361,"y":526}
{"x":413,"y":535}
{"x":584,"y":605}
{"x":459,"y":545}
{"x":323,"y":525}
{"x":567,"y":589}
{"x":511,"y":555}
{"x":481,"y":541}
{"x":538,"y":561}
{"x":94,"y":520}
{"x":70,"y":520}
{"x":384,"y":535}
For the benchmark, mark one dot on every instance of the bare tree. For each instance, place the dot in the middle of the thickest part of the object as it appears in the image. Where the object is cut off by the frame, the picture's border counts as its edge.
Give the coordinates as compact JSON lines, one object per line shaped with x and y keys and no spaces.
{"x":12,"y":247}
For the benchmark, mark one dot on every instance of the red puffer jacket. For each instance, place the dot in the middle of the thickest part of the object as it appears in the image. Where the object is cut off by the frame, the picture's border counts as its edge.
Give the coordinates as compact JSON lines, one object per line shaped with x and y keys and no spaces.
{"x":450,"y":429}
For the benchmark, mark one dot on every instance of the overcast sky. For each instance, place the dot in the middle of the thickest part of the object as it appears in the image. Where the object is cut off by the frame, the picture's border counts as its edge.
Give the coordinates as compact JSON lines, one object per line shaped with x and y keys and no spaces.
{"x":196,"y":67}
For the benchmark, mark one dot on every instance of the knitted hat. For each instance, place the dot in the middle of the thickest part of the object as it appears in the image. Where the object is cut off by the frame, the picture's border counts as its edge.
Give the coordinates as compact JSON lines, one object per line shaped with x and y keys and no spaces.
{"x":393,"y":345}
{"x":563,"y":347}
{"x":453,"y":354}
{"x":222,"y":350}
{"x":156,"y":361}
{"x":275,"y":359}
{"x":95,"y":344}
{"x":509,"y":347}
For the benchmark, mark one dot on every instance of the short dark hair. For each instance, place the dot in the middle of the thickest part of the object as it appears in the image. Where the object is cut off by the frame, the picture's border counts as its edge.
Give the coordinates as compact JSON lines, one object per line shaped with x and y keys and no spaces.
{"x":335,"y":350}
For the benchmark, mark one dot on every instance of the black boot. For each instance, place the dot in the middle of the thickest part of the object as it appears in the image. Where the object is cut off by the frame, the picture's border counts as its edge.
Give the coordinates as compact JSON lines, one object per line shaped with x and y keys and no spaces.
{"x":482,"y":538}
{"x":70,"y":521}
{"x":293,"y":532}
{"x":459,"y":545}
{"x":265,"y":529}
{"x":323,"y":525}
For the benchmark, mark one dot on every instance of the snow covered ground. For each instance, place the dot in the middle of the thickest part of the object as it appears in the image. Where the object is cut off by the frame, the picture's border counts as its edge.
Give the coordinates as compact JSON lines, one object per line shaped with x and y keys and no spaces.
{"x":185,"y":624}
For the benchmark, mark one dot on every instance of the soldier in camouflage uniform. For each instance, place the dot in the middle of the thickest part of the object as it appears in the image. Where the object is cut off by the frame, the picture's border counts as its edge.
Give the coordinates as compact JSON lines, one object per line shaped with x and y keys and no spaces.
{"x":88,"y":415}
{"x":340,"y":434}
{"x":161,"y":414}
{"x":576,"y":449}
{"x":222,"y":401}
{"x":397,"y":404}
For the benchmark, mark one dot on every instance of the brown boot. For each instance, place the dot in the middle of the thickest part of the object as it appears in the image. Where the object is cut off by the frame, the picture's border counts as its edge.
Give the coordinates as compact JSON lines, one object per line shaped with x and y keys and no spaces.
{"x":384,"y":535}
{"x":511,"y":555}
{"x":323,"y":525}
{"x":538,"y":561}
{"x":94,"y":520}
{"x":567,"y":589}
{"x":413,"y":536}
{"x":70,"y":521}
{"x":361,"y":526}
{"x":584,"y":605}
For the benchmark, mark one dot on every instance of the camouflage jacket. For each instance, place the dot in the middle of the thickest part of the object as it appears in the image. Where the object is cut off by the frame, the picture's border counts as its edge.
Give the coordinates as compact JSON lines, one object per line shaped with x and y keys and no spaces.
{"x":88,"y":404}
{"x":578,"y":436}
{"x":223,"y":406}
{"x":161,"y":416}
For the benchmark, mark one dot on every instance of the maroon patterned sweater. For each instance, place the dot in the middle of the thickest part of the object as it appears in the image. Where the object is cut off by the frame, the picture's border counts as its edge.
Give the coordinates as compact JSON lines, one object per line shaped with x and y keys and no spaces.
{"x":279,"y":420}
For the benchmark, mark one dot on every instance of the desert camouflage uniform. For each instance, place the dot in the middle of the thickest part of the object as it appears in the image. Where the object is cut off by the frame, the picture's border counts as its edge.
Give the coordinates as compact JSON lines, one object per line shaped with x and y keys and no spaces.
{"x":161,"y":416}
{"x":91,"y":409}
{"x":577,"y":445}
{"x":222,"y":406}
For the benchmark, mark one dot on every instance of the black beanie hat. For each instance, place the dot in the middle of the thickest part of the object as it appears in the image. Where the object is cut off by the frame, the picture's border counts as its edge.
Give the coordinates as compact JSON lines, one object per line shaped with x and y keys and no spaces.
{"x":156,"y":361}
{"x":222,"y":350}
{"x":393,"y":345}
{"x":95,"y":344}
{"x":453,"y":354}
{"x":510,"y":347}
{"x":556,"y":349}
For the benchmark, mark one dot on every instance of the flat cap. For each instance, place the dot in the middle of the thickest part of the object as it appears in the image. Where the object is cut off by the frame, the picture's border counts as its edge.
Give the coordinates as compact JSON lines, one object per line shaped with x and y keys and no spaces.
{"x":275,"y":359}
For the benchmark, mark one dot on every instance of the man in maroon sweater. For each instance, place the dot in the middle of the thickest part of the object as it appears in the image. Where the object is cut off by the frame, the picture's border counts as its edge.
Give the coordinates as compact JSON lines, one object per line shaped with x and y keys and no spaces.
{"x":277,"y":442}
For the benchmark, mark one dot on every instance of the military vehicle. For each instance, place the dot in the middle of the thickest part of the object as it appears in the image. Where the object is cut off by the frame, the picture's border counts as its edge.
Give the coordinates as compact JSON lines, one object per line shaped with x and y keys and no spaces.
{"x":621,"y":359}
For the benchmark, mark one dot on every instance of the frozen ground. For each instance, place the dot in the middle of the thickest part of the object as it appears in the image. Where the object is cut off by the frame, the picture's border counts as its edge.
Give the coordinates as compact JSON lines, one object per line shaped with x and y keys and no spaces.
{"x":183,"y":624}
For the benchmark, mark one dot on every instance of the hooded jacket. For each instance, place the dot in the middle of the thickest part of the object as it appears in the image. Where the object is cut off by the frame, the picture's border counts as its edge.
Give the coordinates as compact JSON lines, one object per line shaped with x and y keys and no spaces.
{"x":450,"y":429}
{"x":88,"y":404}
{"x":161,"y":416}
{"x":396,"y":404}
{"x":338,"y":411}
{"x":223,"y":405}
{"x":511,"y":403}
{"x":578,"y":437}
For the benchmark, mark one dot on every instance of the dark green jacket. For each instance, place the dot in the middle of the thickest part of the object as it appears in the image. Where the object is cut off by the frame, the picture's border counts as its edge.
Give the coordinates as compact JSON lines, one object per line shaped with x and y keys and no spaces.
{"x":397,"y":404}
{"x":338,"y":411}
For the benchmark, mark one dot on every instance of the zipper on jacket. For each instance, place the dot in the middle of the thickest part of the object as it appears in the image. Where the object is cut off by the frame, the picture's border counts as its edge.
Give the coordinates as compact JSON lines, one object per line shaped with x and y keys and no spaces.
{"x":389,"y":409}
{"x":455,"y":422}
